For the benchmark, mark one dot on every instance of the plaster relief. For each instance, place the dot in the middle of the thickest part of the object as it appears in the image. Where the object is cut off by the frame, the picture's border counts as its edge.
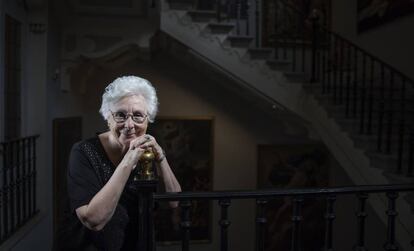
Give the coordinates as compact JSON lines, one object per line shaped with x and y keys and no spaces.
{"x":77,"y":72}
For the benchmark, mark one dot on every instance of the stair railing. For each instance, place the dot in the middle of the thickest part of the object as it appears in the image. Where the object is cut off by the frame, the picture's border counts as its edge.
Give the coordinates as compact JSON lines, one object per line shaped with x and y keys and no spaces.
{"x":366,"y":89}
{"x":369,"y":91}
{"x":371,"y":95}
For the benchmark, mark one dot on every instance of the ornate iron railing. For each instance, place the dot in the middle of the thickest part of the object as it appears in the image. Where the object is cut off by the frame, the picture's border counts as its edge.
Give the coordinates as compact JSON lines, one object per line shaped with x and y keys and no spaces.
{"x":17,"y":184}
{"x":262,"y":197}
{"x":370,"y":92}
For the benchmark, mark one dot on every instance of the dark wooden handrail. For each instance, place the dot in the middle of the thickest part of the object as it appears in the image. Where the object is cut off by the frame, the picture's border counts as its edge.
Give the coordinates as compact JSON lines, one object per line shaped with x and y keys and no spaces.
{"x":298,"y":196}
{"x":249,"y":194}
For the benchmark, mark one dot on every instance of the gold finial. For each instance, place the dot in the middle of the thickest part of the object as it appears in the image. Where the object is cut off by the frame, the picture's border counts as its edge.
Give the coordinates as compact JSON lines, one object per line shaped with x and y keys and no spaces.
{"x":146,"y":171}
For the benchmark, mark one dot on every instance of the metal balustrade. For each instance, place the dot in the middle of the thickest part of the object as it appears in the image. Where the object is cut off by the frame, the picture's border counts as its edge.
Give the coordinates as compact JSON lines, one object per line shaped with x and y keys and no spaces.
{"x":17,"y":184}
{"x":298,"y":197}
{"x":377,"y":96}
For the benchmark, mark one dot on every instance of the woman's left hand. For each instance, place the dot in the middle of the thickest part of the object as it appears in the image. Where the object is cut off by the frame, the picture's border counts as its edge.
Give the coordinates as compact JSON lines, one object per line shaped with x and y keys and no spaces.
{"x":156,"y":148}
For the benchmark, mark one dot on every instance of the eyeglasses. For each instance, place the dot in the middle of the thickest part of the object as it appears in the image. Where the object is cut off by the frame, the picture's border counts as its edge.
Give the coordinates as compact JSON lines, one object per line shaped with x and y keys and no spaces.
{"x":121,"y":117}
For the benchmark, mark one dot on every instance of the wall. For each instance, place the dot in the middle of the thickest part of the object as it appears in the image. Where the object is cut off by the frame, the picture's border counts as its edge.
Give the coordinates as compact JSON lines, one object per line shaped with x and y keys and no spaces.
{"x":391,"y":42}
{"x":14,"y":10}
{"x":33,"y":86}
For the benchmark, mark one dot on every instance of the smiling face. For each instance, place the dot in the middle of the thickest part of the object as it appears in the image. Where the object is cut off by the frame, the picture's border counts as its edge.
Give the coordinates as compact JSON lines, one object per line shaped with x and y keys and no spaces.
{"x":126,"y":131}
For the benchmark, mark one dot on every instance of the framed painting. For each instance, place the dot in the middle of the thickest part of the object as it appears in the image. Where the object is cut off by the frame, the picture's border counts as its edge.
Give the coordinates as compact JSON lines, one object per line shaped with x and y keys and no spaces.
{"x":188,"y":144}
{"x":283,"y":21}
{"x":373,"y":13}
{"x":293,"y":166}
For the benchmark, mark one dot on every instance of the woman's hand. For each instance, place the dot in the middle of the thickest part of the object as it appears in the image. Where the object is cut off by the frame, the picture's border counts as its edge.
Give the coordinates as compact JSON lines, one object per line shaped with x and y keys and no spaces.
{"x":147,"y":141}
{"x":136,"y":149}
{"x":151,"y":143}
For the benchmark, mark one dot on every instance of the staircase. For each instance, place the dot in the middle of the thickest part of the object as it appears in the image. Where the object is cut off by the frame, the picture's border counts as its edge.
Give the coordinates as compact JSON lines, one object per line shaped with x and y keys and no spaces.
{"x":358,"y":105}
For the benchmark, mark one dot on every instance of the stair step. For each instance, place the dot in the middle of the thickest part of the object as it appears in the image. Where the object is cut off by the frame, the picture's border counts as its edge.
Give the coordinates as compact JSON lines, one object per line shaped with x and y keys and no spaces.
{"x":389,"y":163}
{"x":375,"y":99}
{"x":410,"y":199}
{"x":395,"y":102}
{"x":353,"y":128}
{"x":220,"y":28}
{"x":398,"y":178}
{"x":375,"y":93}
{"x":373,"y":137}
{"x":354,"y":124}
{"x":329,"y":101}
{"x":296,"y":76}
{"x":330,"y":81}
{"x":240,"y":41}
{"x":377,"y":77}
{"x":260,"y":53}
{"x":180,"y":4}
{"x":374,"y":121}
{"x":203,"y":15}
{"x":369,"y":142}
{"x":279,"y":64}
{"x":339,"y":111}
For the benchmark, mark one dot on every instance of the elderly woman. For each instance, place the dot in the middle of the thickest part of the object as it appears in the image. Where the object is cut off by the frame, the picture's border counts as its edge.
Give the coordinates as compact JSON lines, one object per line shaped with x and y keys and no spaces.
{"x":100,"y":184}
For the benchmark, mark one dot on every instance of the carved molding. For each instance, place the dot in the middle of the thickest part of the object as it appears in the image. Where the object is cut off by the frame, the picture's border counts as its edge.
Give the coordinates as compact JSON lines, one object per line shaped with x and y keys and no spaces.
{"x":76,"y":72}
{"x":87,"y":44}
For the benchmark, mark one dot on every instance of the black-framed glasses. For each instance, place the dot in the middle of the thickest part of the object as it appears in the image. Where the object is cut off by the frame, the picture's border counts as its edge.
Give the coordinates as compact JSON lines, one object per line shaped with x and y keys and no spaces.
{"x":121,"y":117}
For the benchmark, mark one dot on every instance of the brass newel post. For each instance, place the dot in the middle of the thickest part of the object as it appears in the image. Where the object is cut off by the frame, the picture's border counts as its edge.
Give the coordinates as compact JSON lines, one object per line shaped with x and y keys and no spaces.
{"x":146,"y":166}
{"x":146,"y":183}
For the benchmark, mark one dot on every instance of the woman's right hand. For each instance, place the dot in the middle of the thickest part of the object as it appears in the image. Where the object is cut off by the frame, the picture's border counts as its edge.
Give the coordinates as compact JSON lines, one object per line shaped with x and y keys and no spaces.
{"x":134,"y":152}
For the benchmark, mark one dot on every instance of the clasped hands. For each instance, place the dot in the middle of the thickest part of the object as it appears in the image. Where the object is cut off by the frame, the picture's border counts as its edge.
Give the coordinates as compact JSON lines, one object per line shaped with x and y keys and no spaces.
{"x":140,"y":144}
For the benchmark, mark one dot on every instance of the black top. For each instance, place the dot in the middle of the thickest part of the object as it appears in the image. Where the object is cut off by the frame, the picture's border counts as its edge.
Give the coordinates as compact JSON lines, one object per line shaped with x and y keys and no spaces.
{"x":88,"y":171}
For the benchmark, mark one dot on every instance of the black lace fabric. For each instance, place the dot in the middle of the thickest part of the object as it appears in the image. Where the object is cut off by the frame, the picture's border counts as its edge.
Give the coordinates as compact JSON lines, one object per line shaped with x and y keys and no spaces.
{"x":121,"y":231}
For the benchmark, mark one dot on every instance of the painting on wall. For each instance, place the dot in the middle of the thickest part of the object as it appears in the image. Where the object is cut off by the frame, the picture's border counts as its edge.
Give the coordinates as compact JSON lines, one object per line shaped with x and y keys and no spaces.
{"x":373,"y":13}
{"x":281,"y":20}
{"x":293,"y":166}
{"x":188,"y":144}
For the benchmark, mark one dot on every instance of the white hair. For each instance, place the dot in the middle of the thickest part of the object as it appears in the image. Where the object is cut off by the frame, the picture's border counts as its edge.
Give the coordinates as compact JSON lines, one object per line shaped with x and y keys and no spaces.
{"x":128,"y":86}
